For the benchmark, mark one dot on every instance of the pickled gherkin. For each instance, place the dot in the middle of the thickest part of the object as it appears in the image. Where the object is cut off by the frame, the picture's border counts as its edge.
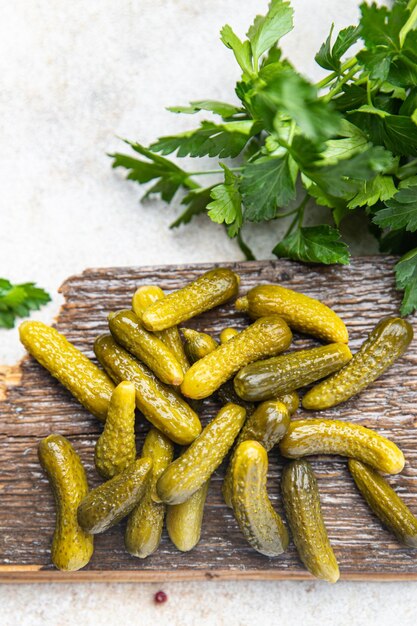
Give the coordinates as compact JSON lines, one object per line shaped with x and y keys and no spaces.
{"x":227,"y":334}
{"x":387,"y":342}
{"x":385,"y":503}
{"x":128,"y":331}
{"x":164,"y":408}
{"x":197,"y":344}
{"x":145,"y":522}
{"x":72,"y":547}
{"x":88,"y":383}
{"x":302,"y":313}
{"x":195,"y":466}
{"x":210,"y":290}
{"x":291,"y":401}
{"x":319,"y":436}
{"x":265,"y":337}
{"x":111,"y":501}
{"x":260,"y":524}
{"x":303,"y":511}
{"x":184,"y":520}
{"x":143,"y":297}
{"x":271,"y":377}
{"x":267,"y":425}
{"x":116,"y":446}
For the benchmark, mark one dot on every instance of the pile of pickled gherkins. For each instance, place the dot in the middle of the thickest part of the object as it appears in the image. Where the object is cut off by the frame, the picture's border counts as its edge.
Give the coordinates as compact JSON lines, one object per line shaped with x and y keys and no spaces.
{"x":146,"y":365}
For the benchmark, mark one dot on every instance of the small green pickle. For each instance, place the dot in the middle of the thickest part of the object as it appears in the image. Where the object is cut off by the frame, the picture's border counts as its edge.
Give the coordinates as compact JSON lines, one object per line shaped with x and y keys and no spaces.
{"x":266,"y":337}
{"x":291,"y":401}
{"x":145,"y":522}
{"x":227,"y":334}
{"x":72,"y":547}
{"x":116,"y":446}
{"x":113,"y":500}
{"x":385,"y":503}
{"x":386,"y":343}
{"x":209,"y":290}
{"x":303,"y":511}
{"x":195,"y":466}
{"x":164,"y":408}
{"x":128,"y":331}
{"x":184,"y":520}
{"x":302,"y":313}
{"x":271,"y":377}
{"x":145,"y":296}
{"x":267,"y":425}
{"x":260,"y":524}
{"x":197,"y":344}
{"x":320,"y":436}
{"x":87,"y":382}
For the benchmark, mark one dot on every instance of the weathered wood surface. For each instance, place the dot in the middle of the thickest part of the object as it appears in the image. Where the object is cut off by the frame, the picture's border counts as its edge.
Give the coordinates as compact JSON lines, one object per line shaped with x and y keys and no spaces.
{"x":36,"y":405}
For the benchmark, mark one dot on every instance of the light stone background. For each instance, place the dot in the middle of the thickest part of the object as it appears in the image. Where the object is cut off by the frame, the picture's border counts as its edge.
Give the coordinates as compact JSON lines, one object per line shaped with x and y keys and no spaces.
{"x":74,"y":76}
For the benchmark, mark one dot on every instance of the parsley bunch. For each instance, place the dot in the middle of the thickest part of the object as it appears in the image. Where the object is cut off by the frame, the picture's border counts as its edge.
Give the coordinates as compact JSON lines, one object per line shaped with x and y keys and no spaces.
{"x":349,"y":141}
{"x":19,"y":301}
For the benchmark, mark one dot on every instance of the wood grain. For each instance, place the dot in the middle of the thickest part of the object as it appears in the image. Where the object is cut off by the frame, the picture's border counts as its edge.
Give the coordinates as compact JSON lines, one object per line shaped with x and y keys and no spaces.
{"x":36,"y":405}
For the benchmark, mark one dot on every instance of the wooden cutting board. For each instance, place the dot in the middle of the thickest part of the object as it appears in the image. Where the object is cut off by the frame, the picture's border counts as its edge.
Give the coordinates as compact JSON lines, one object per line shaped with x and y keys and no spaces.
{"x":35,"y":405}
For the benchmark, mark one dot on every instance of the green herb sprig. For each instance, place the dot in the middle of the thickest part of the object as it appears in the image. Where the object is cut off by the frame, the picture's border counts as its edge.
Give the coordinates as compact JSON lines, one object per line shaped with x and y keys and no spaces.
{"x":349,"y":141}
{"x":19,"y":301}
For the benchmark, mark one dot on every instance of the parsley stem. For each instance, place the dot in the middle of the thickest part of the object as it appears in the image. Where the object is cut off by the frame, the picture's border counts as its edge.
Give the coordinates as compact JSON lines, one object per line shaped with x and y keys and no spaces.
{"x":291,"y":133}
{"x":409,"y":169}
{"x":190,"y":184}
{"x":331,"y":77}
{"x":287,"y":214}
{"x":249,"y":256}
{"x":219,"y":171}
{"x":369,"y":93}
{"x":410,"y":23}
{"x":340,"y":83}
{"x":299,"y":215}
{"x":301,"y":209}
{"x":291,"y":227}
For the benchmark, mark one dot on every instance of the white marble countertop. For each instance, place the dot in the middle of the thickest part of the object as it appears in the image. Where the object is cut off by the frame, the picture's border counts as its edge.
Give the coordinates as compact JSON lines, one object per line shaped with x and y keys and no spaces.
{"x":74,"y":76}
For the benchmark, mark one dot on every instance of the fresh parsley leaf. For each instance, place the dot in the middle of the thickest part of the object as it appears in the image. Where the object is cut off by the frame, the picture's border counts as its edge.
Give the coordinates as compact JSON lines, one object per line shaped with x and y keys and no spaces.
{"x":341,"y":180}
{"x":397,"y":132}
{"x":400,"y":135}
{"x":227,"y":203}
{"x":267,"y":184}
{"x":314,"y":244}
{"x":353,"y":141}
{"x":241,"y":49}
{"x":338,"y":205}
{"x":380,"y":26}
{"x":273,"y":56}
{"x":266,"y":31}
{"x":292,"y":95}
{"x":409,"y":105}
{"x":329,"y":57}
{"x":377,"y":189}
{"x":196,"y":202}
{"x":377,"y":62}
{"x":406,"y":279}
{"x":169,"y":177}
{"x":19,"y":301}
{"x":352,"y":97}
{"x":400,"y":211}
{"x":222,"y":140}
{"x":223,"y":109}
{"x":403,"y":70}
{"x":387,"y":56}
